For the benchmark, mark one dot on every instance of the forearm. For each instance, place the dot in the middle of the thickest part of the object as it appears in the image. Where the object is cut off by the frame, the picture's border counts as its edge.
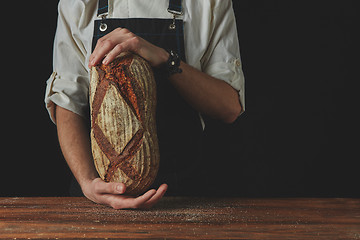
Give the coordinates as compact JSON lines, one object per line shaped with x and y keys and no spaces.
{"x":75,"y":144}
{"x":207,"y":94}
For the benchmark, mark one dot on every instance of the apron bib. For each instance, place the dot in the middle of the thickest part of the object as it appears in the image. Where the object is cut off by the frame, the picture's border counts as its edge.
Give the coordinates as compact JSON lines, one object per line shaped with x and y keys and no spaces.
{"x":178,"y":124}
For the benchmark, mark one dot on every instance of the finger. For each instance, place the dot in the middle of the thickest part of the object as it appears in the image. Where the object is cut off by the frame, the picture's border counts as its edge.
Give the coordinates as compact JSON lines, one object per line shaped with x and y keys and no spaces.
{"x":103,"y":47}
{"x":126,"y":202}
{"x":102,"y":187}
{"x":114,"y":201}
{"x":92,"y":60}
{"x":141,"y":200}
{"x":156,"y":198}
{"x":97,"y":46}
{"x":105,"y":44}
{"x":130,"y":45}
{"x":113,"y":54}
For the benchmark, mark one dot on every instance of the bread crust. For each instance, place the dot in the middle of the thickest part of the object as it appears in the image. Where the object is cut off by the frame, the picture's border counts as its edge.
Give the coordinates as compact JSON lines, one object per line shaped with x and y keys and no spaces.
{"x":123,"y":122}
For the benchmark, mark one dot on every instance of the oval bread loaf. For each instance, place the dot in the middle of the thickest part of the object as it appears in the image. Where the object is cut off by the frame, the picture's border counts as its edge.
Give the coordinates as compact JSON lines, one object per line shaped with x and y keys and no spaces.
{"x":123,"y":124}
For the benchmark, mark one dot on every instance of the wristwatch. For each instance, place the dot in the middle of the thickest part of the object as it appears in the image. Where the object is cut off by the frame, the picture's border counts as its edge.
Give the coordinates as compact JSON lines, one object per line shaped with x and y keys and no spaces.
{"x":173,"y":63}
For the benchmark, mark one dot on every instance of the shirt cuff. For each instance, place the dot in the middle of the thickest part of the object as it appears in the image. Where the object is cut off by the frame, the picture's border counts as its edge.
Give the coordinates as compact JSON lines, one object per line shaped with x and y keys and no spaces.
{"x":66,"y":94}
{"x":230,"y":72}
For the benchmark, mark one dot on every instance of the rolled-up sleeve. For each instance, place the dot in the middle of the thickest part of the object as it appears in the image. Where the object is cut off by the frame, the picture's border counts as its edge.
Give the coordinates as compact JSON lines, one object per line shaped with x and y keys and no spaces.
{"x":68,"y":85}
{"x":222,"y":57}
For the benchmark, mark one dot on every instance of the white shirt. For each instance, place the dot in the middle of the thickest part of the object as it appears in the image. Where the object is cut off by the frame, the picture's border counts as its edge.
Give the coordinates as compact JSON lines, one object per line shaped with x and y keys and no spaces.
{"x":211,"y":45}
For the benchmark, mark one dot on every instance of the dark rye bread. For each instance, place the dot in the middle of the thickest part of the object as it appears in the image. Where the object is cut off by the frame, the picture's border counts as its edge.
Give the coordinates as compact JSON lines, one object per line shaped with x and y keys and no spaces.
{"x":123,"y":124}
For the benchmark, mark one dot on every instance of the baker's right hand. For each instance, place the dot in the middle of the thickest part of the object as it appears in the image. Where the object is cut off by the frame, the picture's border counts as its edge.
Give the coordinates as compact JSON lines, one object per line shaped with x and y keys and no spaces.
{"x":111,"y":194}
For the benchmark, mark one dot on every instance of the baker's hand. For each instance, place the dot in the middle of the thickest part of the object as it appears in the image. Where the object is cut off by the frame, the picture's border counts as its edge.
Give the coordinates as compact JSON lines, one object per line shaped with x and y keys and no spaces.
{"x":122,"y":40}
{"x":111,"y":194}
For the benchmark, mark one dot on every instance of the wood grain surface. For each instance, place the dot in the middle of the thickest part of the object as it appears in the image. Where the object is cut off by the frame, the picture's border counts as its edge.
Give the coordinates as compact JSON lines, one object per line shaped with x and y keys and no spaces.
{"x":181,"y":218}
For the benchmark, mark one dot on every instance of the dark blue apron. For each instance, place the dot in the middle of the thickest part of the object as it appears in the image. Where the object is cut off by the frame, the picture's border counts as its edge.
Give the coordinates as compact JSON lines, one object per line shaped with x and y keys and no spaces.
{"x":178,"y":124}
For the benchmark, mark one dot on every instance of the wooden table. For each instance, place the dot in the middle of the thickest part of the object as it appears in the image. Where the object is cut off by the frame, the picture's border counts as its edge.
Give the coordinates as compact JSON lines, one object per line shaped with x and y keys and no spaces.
{"x":179,"y":218}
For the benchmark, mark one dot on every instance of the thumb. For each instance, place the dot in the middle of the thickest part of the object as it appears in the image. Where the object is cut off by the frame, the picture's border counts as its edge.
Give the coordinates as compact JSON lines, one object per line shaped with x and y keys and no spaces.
{"x":119,"y":188}
{"x":110,"y":187}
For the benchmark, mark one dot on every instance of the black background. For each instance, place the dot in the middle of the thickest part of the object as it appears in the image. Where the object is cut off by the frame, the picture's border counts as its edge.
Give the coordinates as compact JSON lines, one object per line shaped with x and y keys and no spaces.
{"x":298,"y":136}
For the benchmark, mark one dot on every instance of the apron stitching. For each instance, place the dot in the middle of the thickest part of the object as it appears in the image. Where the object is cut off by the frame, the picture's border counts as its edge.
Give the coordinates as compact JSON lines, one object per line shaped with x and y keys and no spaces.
{"x":104,"y":7}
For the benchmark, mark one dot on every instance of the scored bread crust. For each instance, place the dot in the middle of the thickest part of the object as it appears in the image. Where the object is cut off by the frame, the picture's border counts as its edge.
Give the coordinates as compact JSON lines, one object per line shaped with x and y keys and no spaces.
{"x":123,"y":123}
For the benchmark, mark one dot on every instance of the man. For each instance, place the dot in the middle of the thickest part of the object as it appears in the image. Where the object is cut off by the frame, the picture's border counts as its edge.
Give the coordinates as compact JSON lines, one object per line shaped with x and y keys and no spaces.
{"x":200,"y":35}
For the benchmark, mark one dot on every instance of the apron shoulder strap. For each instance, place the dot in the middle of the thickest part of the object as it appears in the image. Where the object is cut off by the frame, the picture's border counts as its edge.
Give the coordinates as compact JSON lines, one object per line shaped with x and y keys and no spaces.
{"x":103,"y":8}
{"x":175,"y":7}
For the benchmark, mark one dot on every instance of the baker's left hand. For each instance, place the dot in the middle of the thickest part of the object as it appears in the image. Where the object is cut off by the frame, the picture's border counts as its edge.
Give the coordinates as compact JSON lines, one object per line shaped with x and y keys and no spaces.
{"x":122,"y":40}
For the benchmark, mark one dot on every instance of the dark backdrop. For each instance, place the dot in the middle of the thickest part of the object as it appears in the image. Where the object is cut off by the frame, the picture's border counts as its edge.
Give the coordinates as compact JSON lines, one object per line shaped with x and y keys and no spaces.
{"x":298,"y":136}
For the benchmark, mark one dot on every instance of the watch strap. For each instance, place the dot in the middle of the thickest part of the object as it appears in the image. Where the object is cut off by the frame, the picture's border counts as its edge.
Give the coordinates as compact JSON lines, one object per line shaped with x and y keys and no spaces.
{"x":173,"y":63}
